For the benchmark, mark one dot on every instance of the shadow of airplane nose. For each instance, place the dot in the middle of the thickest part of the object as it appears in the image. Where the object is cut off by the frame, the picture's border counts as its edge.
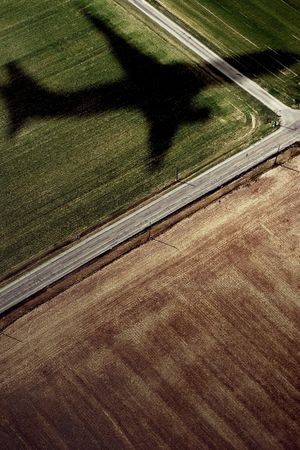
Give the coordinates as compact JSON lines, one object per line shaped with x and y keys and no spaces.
{"x":266,"y":61}
{"x":162,"y":92}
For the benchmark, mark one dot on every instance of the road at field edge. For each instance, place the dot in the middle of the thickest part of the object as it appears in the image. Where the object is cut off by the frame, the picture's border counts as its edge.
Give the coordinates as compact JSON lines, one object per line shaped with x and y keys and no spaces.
{"x":136,"y":222}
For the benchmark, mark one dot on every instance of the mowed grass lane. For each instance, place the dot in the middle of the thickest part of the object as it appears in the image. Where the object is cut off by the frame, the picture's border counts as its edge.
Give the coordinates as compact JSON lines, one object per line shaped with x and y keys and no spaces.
{"x":63,"y":175}
{"x":236,"y":27}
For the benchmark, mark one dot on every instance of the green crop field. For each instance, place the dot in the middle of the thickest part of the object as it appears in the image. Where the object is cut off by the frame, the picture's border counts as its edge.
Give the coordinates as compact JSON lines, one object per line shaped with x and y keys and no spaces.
{"x":97,"y":112}
{"x":238,"y":27}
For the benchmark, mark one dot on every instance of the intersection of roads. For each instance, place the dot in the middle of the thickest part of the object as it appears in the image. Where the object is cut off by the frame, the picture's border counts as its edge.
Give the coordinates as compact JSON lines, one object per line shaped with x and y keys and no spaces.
{"x":107,"y":238}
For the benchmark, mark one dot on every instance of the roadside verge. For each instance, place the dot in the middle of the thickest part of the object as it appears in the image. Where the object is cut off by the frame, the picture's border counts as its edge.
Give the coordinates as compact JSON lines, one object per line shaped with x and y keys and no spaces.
{"x":152,"y":231}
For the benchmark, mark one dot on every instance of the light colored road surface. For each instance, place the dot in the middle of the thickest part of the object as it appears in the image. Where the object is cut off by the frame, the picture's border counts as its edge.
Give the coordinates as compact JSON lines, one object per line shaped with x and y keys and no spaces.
{"x":209,"y":56}
{"x":81,"y":253}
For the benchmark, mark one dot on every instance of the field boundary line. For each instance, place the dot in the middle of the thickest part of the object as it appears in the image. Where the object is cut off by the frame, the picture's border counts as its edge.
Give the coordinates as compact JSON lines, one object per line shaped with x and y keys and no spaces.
{"x":173,"y":201}
{"x":147,"y":235}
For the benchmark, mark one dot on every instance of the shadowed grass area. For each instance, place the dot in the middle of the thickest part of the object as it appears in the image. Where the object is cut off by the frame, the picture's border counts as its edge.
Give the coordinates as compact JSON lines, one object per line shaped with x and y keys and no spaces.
{"x":234,"y":28}
{"x":97,"y":112}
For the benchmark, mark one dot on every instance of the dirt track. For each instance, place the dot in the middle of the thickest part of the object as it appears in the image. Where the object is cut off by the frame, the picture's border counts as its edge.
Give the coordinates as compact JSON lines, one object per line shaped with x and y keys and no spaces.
{"x":192,"y":345}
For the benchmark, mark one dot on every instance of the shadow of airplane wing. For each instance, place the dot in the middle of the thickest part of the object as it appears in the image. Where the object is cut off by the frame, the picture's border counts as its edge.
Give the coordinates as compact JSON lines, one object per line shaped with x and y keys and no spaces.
{"x":163,"y":130}
{"x":136,"y":63}
{"x":161,"y":135}
{"x":164,"y":93}
{"x":133,"y":61}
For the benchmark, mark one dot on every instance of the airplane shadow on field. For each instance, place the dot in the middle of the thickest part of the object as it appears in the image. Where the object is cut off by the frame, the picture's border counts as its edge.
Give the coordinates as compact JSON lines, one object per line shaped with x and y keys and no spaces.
{"x":163,"y":92}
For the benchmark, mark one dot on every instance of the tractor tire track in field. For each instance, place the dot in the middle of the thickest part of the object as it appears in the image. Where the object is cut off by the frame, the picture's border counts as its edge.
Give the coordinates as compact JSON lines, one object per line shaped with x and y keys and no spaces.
{"x":138,"y":221}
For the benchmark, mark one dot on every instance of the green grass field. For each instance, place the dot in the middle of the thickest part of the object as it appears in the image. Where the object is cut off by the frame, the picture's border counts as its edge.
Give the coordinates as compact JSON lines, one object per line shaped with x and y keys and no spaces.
{"x":66,"y":165}
{"x":237,"y":27}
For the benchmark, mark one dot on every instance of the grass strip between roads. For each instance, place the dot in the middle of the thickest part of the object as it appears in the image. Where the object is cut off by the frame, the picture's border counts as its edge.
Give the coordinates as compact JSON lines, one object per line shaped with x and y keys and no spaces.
{"x":234,"y":28}
{"x":62,"y":175}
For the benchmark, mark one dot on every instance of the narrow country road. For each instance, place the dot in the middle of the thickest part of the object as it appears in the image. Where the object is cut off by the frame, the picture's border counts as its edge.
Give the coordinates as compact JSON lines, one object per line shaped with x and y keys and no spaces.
{"x":137,"y":221}
{"x":209,"y":56}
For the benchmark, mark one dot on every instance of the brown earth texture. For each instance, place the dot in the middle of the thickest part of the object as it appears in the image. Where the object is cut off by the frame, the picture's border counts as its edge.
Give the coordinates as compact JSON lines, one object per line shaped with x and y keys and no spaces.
{"x":188,"y":342}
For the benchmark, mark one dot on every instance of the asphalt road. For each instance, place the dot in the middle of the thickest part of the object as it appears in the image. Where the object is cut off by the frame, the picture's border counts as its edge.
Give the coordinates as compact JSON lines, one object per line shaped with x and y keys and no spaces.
{"x":107,"y":238}
{"x":208,"y":55}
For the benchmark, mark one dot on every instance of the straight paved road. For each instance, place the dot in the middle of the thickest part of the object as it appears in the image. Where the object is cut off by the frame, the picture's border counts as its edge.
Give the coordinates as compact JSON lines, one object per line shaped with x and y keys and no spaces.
{"x":139,"y":220}
{"x":209,"y":56}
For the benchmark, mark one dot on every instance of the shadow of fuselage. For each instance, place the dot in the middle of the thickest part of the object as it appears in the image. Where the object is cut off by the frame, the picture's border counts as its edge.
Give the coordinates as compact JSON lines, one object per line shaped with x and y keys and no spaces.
{"x":163,"y":92}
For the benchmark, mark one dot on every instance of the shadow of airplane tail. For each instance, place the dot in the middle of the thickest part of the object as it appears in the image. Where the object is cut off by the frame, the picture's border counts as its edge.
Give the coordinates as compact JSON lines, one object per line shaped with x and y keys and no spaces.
{"x":25,"y":99}
{"x":164,"y":93}
{"x":19,"y":104}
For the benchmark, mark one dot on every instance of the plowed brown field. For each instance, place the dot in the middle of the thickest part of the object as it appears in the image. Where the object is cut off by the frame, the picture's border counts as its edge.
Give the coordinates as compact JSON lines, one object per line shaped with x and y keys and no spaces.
{"x":189,"y":341}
